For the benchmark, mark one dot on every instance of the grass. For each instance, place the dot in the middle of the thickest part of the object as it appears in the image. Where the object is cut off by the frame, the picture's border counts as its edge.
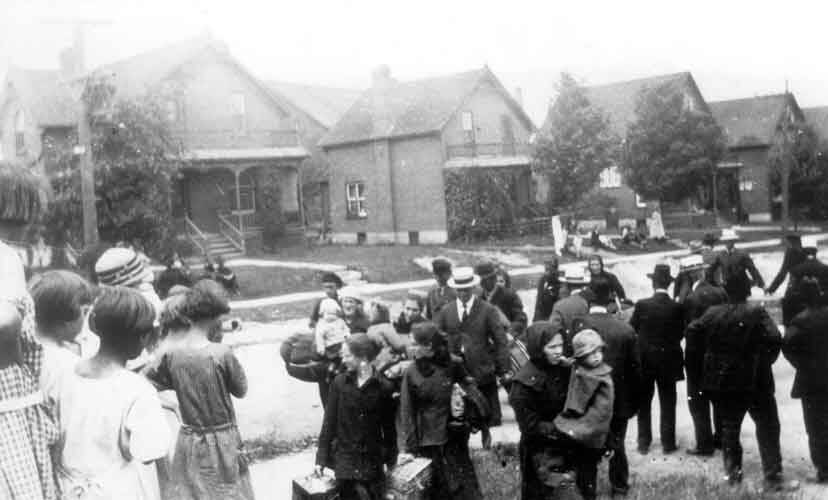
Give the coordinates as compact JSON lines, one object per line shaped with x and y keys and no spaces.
{"x":255,"y":282}
{"x":269,"y":446}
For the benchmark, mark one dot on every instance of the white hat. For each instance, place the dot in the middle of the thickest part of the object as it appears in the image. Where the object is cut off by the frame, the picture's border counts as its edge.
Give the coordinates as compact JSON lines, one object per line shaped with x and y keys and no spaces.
{"x":692,"y":263}
{"x":810,"y":241}
{"x":463,"y":278}
{"x":122,"y":267}
{"x":575,"y":275}
{"x":350,"y":292}
{"x":729,"y":234}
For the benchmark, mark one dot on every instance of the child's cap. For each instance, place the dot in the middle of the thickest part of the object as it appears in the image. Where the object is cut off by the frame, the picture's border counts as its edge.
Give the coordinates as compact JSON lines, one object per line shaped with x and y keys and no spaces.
{"x":329,"y":306}
{"x":586,"y":342}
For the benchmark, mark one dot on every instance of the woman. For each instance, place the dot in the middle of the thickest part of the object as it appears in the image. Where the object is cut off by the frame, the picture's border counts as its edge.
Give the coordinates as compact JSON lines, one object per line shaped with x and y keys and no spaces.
{"x":598,"y":273}
{"x":538,"y":395}
{"x":429,"y":426}
{"x":412,"y":313}
{"x":354,"y":315}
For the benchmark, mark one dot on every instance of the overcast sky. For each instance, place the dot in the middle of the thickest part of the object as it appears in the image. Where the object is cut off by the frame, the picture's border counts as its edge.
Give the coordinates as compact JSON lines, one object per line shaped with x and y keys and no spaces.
{"x":733,"y":48}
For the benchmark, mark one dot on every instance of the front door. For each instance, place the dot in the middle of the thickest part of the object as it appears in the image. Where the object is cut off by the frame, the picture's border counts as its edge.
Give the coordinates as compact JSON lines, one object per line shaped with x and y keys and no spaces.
{"x":209,"y":193}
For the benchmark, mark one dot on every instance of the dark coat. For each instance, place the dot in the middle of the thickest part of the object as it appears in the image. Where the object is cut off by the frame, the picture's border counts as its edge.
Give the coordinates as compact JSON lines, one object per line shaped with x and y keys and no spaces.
{"x":659,"y":323}
{"x":402,"y":325}
{"x":732,"y":347}
{"x":509,"y":303}
{"x":793,"y":257}
{"x":702,"y":298}
{"x":549,"y":291}
{"x":437,"y":298}
{"x":622,"y":354}
{"x":564,"y":315}
{"x":425,"y":406}
{"x":614,"y":283}
{"x":589,"y":406}
{"x":739,"y":273}
{"x":480,"y":339}
{"x":358,"y":435}
{"x":806,"y":347}
{"x":811,"y":267}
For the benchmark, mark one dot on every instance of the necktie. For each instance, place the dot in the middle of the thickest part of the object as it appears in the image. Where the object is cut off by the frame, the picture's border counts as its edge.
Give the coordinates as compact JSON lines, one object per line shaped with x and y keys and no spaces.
{"x":465,"y":314}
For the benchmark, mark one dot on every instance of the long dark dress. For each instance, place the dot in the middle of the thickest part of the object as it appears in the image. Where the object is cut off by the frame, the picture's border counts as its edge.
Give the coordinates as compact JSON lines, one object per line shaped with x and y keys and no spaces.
{"x":538,"y":394}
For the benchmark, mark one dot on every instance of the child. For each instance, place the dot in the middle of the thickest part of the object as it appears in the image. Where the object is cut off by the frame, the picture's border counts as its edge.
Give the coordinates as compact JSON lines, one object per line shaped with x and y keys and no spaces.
{"x":111,"y":423}
{"x":588,"y":409}
{"x":331,"y":330}
{"x":209,"y":460}
{"x":359,"y":417}
{"x":61,"y":299}
{"x":412,"y":313}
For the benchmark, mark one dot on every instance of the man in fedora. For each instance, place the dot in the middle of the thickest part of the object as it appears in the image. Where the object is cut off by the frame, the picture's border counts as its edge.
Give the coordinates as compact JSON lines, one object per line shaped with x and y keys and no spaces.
{"x":794,"y":255}
{"x":703,"y":295}
{"x":739,"y":273}
{"x":574,"y":306}
{"x":658,"y":321}
{"x":476,"y":334}
{"x":504,"y":299}
{"x":440,"y":294}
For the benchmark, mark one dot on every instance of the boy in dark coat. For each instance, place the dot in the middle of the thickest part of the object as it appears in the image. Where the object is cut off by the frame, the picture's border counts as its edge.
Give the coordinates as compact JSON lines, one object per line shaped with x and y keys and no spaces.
{"x":658,"y":322}
{"x":739,"y":273}
{"x":549,"y":290}
{"x":504,"y":299}
{"x":440,"y":294}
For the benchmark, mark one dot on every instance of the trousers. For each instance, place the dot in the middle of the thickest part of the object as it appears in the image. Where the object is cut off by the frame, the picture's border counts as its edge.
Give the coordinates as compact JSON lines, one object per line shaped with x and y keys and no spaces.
{"x":619,"y":468}
{"x":708,"y":433}
{"x":815,"y":413}
{"x":667,"y":405}
{"x":762,"y":409}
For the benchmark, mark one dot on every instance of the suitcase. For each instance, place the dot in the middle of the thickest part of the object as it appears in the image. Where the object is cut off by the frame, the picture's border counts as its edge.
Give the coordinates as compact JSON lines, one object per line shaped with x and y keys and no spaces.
{"x":313,"y":487}
{"x":409,"y":481}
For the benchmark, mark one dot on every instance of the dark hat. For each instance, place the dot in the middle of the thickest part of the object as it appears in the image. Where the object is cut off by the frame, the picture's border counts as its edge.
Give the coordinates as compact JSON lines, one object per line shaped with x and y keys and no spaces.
{"x":661,"y":273}
{"x":331,"y":277}
{"x":363,"y":346}
{"x":485,"y":270}
{"x":793,"y":236}
{"x":710,"y":239}
{"x":440,"y":265}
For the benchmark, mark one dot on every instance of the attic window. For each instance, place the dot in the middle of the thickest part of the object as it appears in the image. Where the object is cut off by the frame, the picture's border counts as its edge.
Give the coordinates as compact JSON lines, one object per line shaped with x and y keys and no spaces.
{"x":172,"y":110}
{"x":689,"y":103}
{"x":20,"y":132}
{"x":610,"y":178}
{"x":238,"y":111}
{"x":467,"y":122}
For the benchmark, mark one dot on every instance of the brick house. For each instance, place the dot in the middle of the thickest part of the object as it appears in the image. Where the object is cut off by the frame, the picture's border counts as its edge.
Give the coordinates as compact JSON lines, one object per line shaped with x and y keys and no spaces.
{"x":389,"y":152}
{"x":751,"y":126}
{"x":817,"y":118}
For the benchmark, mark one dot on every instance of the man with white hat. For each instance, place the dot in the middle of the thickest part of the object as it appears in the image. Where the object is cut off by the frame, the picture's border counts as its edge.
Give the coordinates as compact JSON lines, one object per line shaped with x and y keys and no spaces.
{"x":739,"y":273}
{"x":574,"y":305}
{"x":476,"y":333}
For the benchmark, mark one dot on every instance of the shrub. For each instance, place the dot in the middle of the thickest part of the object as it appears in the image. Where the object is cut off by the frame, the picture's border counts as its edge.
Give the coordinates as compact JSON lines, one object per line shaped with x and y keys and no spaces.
{"x":478,"y":202}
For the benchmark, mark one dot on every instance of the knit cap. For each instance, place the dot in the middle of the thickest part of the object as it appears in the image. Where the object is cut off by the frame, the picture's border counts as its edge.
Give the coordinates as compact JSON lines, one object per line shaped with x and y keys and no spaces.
{"x":329,"y":306}
{"x":122,"y":267}
{"x":586,"y":342}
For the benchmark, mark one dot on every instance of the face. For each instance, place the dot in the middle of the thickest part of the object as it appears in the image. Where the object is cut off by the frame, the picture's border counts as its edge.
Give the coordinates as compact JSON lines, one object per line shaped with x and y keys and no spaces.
{"x":330,"y":289}
{"x":500,"y":280}
{"x":564,"y":290}
{"x":350,"y":361}
{"x":442,"y":278}
{"x":594,"y":266}
{"x":411,"y":309}
{"x":488,"y":283}
{"x":551,"y":269}
{"x":464,"y":294}
{"x":349,"y":306}
{"x":594,"y":358}
{"x":730,"y":244}
{"x":553,"y":350}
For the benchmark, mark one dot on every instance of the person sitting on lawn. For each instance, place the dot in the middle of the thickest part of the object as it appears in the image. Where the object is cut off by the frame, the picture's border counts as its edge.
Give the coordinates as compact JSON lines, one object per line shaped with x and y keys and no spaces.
{"x":174,"y":274}
{"x":226,"y":277}
{"x":331,"y":329}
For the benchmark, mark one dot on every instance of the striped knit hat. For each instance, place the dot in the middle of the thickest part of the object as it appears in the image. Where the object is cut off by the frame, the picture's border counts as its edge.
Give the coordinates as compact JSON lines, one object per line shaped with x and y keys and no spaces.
{"x":122,"y":266}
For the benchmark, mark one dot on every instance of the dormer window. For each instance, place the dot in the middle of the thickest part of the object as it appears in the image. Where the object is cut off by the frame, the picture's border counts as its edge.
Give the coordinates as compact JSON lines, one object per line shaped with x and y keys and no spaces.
{"x":239,"y":112}
{"x":610,"y":178}
{"x":467,"y":122}
{"x":689,"y":103}
{"x":20,"y":132}
{"x":173,"y":111}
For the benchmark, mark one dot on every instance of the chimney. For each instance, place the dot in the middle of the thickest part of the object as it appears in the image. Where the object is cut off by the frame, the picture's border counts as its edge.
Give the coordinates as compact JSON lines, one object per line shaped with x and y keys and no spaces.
{"x":381,"y":76}
{"x":518,"y":95}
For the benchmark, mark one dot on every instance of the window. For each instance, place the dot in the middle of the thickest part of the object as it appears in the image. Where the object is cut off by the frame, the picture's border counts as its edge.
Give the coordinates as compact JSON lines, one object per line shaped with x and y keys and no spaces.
{"x":689,"y":103}
{"x":467,"y":122}
{"x":745,"y":184}
{"x":239,"y":112}
{"x":355,"y":200}
{"x":639,"y":201}
{"x":172,"y":110}
{"x":610,"y":178}
{"x":20,"y":133}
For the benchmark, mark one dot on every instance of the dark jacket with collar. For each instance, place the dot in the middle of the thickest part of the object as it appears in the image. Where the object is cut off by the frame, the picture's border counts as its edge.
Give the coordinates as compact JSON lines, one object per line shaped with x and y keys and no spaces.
{"x":659,"y":323}
{"x":622,"y":353}
{"x":358,"y":435}
{"x":481,"y":339}
{"x":793,"y":257}
{"x":549,"y":291}
{"x":438,"y":297}
{"x":806,"y":347}
{"x":702,"y":298}
{"x":811,"y":267}
{"x":739,"y":273}
{"x":564,"y":315}
{"x":509,"y":303}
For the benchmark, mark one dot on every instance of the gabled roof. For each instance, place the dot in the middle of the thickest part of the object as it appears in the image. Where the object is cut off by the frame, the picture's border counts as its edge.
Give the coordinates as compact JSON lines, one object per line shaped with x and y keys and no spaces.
{"x":325,"y":105}
{"x":817,"y":118}
{"x":752,"y":121}
{"x":618,"y":99}
{"x":43,"y":94}
{"x":401,"y":109}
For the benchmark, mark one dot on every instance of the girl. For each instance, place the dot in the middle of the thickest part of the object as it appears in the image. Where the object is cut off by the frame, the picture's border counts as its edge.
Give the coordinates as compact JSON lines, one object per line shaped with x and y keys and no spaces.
{"x":412,"y":313}
{"x":359,"y":417}
{"x":209,"y":461}
{"x":111,"y":422}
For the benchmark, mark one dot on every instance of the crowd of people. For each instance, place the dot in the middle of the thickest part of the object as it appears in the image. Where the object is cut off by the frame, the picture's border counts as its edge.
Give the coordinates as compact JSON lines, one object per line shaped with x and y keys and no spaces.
{"x":588,"y":362}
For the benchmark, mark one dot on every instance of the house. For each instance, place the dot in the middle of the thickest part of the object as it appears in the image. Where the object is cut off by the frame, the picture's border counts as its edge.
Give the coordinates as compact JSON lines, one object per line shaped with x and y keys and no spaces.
{"x":751,"y":126}
{"x":389,"y":152}
{"x":817,"y":118}
{"x":618,"y":100}
{"x":238,"y":138}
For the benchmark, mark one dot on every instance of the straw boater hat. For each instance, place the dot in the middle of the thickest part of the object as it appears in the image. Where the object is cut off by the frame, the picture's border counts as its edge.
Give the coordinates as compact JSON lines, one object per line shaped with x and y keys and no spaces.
{"x":809,"y":242}
{"x":575,"y":276}
{"x":463,"y":278}
{"x":729,"y":234}
{"x":122,"y":267}
{"x":692,"y":263}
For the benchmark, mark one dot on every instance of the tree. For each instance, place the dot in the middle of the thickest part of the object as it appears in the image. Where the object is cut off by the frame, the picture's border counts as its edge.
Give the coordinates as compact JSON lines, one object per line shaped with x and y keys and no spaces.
{"x":575,"y":145}
{"x":136,"y":161}
{"x":671,"y":148}
{"x":796,"y":146}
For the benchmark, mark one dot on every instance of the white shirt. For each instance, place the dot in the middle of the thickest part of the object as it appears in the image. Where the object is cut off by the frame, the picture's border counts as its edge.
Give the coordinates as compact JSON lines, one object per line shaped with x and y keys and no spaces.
{"x":597,"y":309}
{"x":467,"y":307}
{"x":695,"y":285}
{"x":661,"y":290}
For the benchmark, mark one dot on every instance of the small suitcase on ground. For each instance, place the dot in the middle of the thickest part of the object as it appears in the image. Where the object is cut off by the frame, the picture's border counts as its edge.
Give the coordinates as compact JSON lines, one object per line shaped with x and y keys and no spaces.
{"x":313,"y":487}
{"x":409,"y":481}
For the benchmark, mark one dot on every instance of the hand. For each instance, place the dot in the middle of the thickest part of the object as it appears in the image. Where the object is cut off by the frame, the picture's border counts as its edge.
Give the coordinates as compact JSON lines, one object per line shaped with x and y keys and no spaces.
{"x":404,"y":458}
{"x":319,"y":470}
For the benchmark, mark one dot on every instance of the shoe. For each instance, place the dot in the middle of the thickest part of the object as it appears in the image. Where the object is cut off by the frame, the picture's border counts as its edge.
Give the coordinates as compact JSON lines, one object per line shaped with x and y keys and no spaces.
{"x":643,"y":450}
{"x":700,"y":452}
{"x":667,"y":450}
{"x":780,"y":485}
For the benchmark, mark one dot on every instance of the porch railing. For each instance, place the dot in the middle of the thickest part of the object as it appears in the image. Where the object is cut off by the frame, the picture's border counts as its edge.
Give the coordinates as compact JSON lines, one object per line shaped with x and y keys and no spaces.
{"x":486,"y":149}
{"x":196,"y":235}
{"x":233,"y":234}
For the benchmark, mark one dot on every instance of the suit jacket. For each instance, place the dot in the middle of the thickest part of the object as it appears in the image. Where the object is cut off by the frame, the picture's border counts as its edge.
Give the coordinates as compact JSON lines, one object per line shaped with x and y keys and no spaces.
{"x":793,"y":257}
{"x":481,"y":339}
{"x":806,"y":347}
{"x":509,"y":303}
{"x":739,"y":273}
{"x":810,"y":267}
{"x":437,"y":298}
{"x":702,"y":298}
{"x":564,"y":314}
{"x":622,"y":354}
{"x":659,"y":322}
{"x":548,"y":293}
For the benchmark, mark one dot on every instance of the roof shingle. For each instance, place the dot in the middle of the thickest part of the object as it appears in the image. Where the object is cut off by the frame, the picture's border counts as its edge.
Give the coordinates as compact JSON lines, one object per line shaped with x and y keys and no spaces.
{"x":326,"y":105}
{"x":751,"y":121}
{"x":45,"y":95}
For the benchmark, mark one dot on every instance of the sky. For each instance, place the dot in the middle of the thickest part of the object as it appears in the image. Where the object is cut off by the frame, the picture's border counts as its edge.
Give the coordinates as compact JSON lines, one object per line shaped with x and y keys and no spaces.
{"x":733,"y":48}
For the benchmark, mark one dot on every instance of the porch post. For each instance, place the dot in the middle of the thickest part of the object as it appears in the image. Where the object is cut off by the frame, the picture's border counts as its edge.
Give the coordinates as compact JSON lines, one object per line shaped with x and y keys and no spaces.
{"x":299,"y":197}
{"x":237,"y":173}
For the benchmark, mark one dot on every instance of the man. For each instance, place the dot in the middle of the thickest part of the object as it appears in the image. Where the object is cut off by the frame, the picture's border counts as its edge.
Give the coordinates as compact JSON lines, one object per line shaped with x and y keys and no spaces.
{"x":476,"y":335}
{"x":658,"y":321}
{"x":734,"y":346}
{"x":794,"y":255}
{"x":503,"y":298}
{"x":549,"y":290}
{"x":739,"y":273}
{"x":811,"y":266}
{"x":331,"y":283}
{"x":621,"y":352}
{"x":571,"y":308}
{"x":701,"y":297}
{"x":709,"y":256}
{"x":806,"y":347}
{"x":440,"y":294}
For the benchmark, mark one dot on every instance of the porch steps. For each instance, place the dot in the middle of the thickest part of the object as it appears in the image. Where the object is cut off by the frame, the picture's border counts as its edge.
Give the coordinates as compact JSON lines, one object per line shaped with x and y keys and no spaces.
{"x":218,"y":244}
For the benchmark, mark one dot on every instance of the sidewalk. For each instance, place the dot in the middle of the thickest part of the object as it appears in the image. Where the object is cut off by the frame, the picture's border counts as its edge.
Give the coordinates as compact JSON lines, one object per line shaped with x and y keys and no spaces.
{"x":378,"y":288}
